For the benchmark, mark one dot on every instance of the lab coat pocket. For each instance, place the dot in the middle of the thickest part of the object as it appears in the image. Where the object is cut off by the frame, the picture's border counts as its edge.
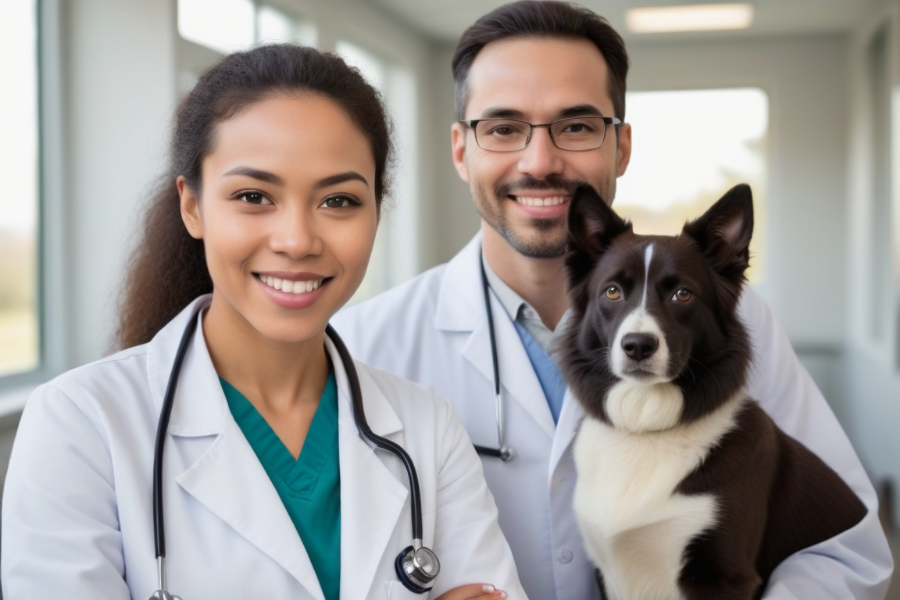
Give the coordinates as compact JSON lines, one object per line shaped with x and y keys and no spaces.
{"x":394,"y":590}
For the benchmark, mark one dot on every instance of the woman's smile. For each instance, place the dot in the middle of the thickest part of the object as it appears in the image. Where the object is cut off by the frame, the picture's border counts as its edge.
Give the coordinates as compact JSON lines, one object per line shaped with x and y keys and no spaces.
{"x":293,"y":291}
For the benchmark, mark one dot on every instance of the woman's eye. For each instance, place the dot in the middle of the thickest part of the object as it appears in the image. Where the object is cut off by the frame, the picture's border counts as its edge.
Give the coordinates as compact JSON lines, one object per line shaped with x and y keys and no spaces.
{"x":613,"y":293}
{"x":254,"y":198}
{"x":339,"y":202}
{"x":682,"y":295}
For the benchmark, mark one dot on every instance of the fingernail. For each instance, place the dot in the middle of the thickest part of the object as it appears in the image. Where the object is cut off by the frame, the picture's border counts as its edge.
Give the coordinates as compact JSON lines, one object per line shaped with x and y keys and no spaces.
{"x":487,"y":589}
{"x":503,"y":594}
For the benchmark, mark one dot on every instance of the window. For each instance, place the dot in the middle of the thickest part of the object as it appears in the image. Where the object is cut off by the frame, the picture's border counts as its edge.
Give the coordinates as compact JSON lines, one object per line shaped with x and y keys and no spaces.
{"x":689,"y":148}
{"x":19,"y":170}
{"x":394,"y":258}
{"x":210,"y":29}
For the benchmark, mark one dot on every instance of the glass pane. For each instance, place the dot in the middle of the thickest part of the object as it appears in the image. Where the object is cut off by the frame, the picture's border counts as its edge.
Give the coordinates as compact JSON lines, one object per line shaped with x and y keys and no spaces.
{"x":222,"y":25}
{"x":690,"y":147}
{"x":273,"y":25}
{"x":371,"y":67}
{"x":19,"y":349}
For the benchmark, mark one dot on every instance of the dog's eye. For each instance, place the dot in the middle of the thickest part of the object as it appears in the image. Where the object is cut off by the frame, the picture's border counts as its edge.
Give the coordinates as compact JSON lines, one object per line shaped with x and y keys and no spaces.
{"x":682,"y":295}
{"x":613,"y":293}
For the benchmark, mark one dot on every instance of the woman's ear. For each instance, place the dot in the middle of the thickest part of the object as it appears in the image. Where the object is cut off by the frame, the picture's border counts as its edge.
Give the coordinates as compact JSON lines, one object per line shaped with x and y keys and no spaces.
{"x":190,"y":208}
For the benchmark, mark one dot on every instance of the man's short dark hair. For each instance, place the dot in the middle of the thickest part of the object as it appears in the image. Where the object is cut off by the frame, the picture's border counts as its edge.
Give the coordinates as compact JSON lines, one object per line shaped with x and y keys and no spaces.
{"x":536,"y":19}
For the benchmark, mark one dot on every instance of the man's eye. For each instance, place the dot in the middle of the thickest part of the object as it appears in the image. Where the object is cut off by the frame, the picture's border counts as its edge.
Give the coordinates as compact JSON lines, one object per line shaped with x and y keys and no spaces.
{"x":254,"y":198}
{"x":579,"y":128}
{"x":339,"y":202}
{"x":501,"y":131}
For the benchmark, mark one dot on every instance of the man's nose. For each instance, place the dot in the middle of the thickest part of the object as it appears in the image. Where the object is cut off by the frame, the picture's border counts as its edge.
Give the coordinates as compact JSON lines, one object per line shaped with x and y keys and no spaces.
{"x":541,"y":157}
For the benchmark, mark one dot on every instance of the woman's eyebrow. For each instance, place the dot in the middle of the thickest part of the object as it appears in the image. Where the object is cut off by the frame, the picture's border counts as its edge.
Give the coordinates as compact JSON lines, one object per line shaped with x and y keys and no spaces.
{"x":341,"y":178}
{"x":256,"y":174}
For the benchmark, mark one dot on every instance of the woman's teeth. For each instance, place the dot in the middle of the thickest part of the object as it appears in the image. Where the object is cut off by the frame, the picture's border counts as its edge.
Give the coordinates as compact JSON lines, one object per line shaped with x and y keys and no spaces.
{"x":293,"y":287}
{"x":552,"y":201}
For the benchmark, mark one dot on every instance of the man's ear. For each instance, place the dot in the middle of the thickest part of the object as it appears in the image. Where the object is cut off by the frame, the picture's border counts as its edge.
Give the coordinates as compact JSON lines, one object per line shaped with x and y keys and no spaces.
{"x":458,"y":133}
{"x":190,"y":208}
{"x":623,"y":148}
{"x":724,"y":231}
{"x":592,"y":227}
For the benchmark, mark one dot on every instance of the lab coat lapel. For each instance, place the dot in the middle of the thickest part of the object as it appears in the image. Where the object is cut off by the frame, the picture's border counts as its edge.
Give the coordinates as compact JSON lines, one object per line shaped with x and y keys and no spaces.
{"x":461,"y":308}
{"x":228,"y":478}
{"x":249,"y":502}
{"x":569,"y":421}
{"x":372,"y":498}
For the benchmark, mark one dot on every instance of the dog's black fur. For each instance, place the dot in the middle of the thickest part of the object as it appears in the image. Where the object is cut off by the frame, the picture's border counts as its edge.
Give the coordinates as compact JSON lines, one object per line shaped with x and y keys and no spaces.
{"x":775,"y":497}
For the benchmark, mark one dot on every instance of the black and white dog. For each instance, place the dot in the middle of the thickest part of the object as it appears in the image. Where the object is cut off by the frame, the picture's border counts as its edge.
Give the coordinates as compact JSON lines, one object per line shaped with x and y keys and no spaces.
{"x":686,"y":488}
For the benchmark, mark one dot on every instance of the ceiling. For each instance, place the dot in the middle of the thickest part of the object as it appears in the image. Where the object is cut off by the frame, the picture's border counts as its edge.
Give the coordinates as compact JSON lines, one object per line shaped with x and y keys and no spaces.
{"x":445,"y":20}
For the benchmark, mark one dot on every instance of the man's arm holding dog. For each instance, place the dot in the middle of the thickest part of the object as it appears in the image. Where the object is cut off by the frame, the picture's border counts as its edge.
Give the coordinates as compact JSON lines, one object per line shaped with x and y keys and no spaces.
{"x":857,"y":563}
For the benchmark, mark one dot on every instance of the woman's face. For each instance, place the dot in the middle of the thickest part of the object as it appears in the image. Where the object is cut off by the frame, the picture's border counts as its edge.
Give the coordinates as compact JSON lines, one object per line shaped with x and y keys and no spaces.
{"x":287,"y":214}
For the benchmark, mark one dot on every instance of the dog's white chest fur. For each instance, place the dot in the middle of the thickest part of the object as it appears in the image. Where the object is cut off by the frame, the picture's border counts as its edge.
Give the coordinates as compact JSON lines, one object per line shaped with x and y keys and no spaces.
{"x":635,"y":526}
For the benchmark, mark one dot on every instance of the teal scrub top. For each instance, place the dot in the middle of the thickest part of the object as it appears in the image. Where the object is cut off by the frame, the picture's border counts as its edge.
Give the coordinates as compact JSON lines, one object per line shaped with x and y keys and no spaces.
{"x":309,"y":487}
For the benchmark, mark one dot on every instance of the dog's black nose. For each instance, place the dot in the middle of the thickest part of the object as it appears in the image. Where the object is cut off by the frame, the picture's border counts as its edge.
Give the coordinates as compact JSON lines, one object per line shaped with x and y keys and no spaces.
{"x":639,"y":346}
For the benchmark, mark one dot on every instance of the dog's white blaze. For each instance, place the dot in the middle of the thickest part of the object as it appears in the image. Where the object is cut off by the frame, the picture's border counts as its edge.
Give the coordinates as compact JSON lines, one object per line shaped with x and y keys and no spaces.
{"x":639,"y":407}
{"x":634,"y":524}
{"x":648,"y":256}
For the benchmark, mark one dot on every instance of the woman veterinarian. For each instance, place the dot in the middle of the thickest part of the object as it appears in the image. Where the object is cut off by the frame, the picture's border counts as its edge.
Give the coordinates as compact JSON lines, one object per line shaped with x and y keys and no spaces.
{"x":270,"y":485}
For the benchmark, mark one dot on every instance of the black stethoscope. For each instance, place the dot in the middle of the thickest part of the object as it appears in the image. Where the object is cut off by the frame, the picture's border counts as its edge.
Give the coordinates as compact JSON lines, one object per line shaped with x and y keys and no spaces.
{"x":416,"y":566}
{"x":502,"y":451}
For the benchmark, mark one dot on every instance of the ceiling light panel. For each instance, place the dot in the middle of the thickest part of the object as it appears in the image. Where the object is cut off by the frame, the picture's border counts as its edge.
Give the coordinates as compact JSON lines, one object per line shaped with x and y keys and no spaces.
{"x":699,"y":17}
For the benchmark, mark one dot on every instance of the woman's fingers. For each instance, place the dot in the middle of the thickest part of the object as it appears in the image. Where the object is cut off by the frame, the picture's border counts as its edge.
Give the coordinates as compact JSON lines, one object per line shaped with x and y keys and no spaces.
{"x":483,"y":591}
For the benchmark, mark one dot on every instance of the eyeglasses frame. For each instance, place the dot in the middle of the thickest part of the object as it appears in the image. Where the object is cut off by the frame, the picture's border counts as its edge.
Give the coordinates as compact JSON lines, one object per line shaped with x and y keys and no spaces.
{"x":607,"y":121}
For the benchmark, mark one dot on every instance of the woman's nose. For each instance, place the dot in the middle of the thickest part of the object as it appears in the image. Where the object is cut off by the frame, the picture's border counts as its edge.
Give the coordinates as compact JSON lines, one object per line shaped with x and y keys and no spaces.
{"x":294,"y":233}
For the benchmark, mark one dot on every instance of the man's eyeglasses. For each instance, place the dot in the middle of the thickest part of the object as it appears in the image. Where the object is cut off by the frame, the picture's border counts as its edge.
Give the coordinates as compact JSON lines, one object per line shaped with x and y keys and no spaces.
{"x":577,"y":134}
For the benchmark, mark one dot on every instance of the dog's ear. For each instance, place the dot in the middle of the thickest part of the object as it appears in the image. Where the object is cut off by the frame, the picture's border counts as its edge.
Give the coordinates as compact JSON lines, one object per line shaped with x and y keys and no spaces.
{"x":592,"y":227}
{"x":724,"y":231}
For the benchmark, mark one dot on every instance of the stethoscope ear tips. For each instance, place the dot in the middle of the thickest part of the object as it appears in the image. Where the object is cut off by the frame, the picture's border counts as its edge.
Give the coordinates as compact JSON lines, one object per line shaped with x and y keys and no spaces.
{"x":507,"y":454}
{"x":417,"y":568}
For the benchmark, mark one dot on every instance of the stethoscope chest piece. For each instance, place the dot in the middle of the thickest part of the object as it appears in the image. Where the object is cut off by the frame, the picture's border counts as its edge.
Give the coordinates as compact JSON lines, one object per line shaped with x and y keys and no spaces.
{"x":417,"y":568}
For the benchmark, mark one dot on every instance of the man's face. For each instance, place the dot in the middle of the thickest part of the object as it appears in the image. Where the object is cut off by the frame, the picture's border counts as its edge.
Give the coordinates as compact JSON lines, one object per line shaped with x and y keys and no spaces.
{"x":524,"y":195}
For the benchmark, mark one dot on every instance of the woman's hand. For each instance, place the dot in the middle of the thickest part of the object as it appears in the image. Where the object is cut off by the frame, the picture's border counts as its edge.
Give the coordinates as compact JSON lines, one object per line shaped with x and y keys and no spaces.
{"x":484,"y":591}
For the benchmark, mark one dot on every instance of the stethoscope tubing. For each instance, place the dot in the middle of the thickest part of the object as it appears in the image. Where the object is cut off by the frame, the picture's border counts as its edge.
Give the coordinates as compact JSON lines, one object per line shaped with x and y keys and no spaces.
{"x":362,"y":424}
{"x":502,"y":452}
{"x":359,"y":415}
{"x":159,"y":531}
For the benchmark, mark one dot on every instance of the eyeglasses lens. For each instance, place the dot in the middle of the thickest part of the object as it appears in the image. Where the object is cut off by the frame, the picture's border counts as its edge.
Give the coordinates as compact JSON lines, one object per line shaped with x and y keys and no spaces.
{"x":507,"y":135}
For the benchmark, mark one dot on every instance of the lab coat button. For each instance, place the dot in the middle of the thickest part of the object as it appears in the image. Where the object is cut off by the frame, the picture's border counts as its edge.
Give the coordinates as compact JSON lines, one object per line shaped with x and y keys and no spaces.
{"x":565,"y":556}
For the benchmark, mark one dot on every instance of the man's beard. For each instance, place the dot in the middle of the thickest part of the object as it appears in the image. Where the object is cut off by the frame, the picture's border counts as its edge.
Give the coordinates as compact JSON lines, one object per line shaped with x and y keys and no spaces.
{"x":545,"y":243}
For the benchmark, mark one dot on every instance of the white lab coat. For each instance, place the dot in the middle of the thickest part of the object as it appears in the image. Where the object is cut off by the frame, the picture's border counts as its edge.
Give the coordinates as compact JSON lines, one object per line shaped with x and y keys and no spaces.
{"x":77,"y":511}
{"x":433,"y":330}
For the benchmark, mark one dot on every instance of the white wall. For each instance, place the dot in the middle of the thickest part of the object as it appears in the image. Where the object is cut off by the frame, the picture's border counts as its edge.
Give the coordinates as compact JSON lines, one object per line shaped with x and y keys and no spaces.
{"x":118,"y":59}
{"x":455,"y":219}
